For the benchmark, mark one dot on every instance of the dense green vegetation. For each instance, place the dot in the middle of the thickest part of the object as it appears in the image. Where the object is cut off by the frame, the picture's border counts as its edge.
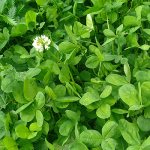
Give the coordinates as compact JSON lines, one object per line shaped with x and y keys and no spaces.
{"x":74,"y":74}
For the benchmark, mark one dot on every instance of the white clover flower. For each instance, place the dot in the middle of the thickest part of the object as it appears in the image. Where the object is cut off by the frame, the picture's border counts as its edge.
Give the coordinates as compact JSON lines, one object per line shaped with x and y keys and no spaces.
{"x":41,"y":43}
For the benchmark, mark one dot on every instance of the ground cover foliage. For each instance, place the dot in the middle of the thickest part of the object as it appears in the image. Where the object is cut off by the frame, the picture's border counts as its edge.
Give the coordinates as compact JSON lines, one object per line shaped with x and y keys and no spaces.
{"x":89,"y":90}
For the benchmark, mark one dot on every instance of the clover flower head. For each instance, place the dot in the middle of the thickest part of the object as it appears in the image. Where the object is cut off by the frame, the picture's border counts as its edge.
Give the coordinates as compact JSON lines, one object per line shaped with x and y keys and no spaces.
{"x":41,"y":43}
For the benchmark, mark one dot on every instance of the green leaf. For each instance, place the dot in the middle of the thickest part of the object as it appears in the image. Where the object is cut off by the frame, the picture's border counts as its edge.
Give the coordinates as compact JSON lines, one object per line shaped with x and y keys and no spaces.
{"x":110,"y":129}
{"x":109,"y":144}
{"x":143,"y":123}
{"x":61,"y":105}
{"x":147,"y":112}
{"x":92,"y":62}
{"x":145,"y":90}
{"x":109,"y":33}
{"x":127,"y":72}
{"x":142,"y":75}
{"x":130,"y":21}
{"x":97,"y":52}
{"x":22,"y":131}
{"x":18,"y":30}
{"x":116,"y":79}
{"x":18,"y":93}
{"x":106,"y":92}
{"x":42,"y":2}
{"x":128,"y":94}
{"x":67,"y":47}
{"x":132,"y":40}
{"x":136,"y":147}
{"x":51,"y":65}
{"x":34,"y":127}
{"x":89,"y":22}
{"x":85,"y":75}
{"x":74,"y":116}
{"x":18,"y":49}
{"x":147,"y":31}
{"x":25,"y":144}
{"x":8,"y":83}
{"x":30,"y":18}
{"x":64,"y":75}
{"x":60,"y":90}
{"x":49,"y":145}
{"x":28,"y":114}
{"x":98,"y":3}
{"x":91,"y":138}
{"x":138,"y":11}
{"x":103,"y":111}
{"x":50,"y":93}
{"x":3,"y":100}
{"x":32,"y":72}
{"x":32,"y":135}
{"x":81,"y":30}
{"x":119,"y":29}
{"x":10,"y":143}
{"x":130,"y":132}
{"x":66,"y":127}
{"x":2,"y":5}
{"x":30,"y":89}
{"x":72,"y":89}
{"x":39,"y":118}
{"x":89,"y":97}
{"x":45,"y":127}
{"x":77,"y":145}
{"x":119,"y":111}
{"x":109,"y":100}
{"x":51,"y":14}
{"x":8,"y":20}
{"x":23,"y":107}
{"x":145,"y":47}
{"x":4,"y":38}
{"x":135,"y":107}
{"x":70,"y":34}
{"x":67,"y":99}
{"x":2,"y":124}
{"x":108,"y":41}
{"x":146,"y":144}
{"x":40,"y":100}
